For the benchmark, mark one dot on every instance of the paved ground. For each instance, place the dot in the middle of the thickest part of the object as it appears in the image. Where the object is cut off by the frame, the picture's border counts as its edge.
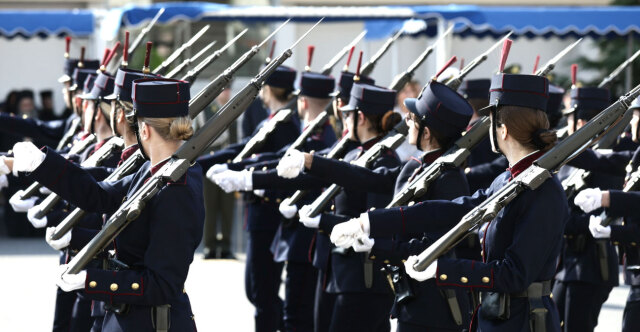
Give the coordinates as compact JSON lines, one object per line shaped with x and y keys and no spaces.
{"x":216,"y":289}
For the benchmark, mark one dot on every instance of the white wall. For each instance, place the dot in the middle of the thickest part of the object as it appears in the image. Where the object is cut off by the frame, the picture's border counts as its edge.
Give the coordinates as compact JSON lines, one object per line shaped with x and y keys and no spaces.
{"x":36,"y":64}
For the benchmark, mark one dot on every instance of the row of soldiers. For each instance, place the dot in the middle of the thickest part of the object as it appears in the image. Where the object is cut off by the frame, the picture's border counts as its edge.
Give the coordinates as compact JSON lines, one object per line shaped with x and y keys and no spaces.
{"x":354,"y":225}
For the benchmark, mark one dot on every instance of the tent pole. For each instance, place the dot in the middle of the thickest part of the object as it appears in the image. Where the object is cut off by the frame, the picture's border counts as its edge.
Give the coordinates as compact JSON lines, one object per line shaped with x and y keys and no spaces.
{"x":629,"y":70}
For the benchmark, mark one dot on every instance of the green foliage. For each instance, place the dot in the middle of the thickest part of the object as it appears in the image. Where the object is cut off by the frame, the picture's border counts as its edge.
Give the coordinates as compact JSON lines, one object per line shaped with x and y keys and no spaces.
{"x":613,"y":52}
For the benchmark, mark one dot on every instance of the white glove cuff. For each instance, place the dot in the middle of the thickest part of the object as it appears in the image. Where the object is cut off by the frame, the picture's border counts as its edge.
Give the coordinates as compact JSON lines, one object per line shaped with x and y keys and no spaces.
{"x":4,"y":169}
{"x":248,"y":180}
{"x":364,"y":222}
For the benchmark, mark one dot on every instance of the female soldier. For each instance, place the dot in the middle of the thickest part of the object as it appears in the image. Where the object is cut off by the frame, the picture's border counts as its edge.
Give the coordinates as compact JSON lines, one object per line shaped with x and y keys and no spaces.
{"x":359,"y":290}
{"x":158,"y":247}
{"x":521,"y":245}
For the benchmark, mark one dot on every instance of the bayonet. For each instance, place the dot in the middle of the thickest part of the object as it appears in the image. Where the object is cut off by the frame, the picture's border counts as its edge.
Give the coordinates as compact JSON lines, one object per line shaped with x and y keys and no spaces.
{"x":162,"y":68}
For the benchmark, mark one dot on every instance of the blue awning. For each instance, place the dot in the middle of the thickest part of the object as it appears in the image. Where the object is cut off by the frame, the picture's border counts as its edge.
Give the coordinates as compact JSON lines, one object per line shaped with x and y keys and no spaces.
{"x":541,"y":21}
{"x":44,"y":23}
{"x":381,"y":21}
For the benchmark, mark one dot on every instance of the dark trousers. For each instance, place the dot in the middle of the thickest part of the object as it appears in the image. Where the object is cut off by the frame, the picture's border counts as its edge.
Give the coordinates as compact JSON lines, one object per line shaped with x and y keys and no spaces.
{"x":63,"y":309}
{"x":81,"y":320}
{"x":262,"y":281}
{"x":361,"y":312}
{"x":218,"y":208}
{"x":323,"y":305}
{"x":631,"y":316}
{"x":299,"y":297}
{"x":579,"y":304}
{"x":407,"y":327}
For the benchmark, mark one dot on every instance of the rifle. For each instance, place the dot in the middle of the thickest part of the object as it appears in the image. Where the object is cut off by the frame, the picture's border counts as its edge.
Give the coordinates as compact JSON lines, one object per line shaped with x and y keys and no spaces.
{"x":96,"y":159}
{"x":534,"y":176}
{"x":309,"y":130}
{"x":141,"y":35}
{"x":336,"y":152}
{"x":326,"y":70}
{"x":632,"y":184}
{"x":187,"y":62}
{"x":403,"y":78}
{"x":179,"y":163}
{"x":552,"y":63}
{"x":193,"y":73}
{"x":455,"y":82}
{"x":162,"y":68}
{"x":68,"y":135}
{"x":456,"y":155}
{"x":76,"y":148}
{"x":368,"y":67}
{"x":391,"y":141}
{"x":215,"y":87}
{"x":609,"y":79}
{"x":259,"y":138}
{"x":196,"y":105}
{"x":392,"y":136}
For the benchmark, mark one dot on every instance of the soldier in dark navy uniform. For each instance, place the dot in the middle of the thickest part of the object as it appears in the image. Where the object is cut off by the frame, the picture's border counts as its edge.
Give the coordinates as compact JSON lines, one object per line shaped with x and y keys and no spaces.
{"x":481,"y":175}
{"x":627,"y":234}
{"x":520,"y":246}
{"x":292,"y":241}
{"x":263,"y":274}
{"x":158,"y":249}
{"x":363,"y":299}
{"x":584,"y":281}
{"x":320,"y":247}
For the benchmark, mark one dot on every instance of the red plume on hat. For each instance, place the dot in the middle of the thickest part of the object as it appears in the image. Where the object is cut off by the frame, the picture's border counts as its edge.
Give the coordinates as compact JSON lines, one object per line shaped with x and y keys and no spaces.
{"x":310,"y":51}
{"x":81,"y":62}
{"x":125,"y":50}
{"x":506,"y":47}
{"x":356,"y":78}
{"x":67,"y":46}
{"x":574,"y":75}
{"x":446,"y":65}
{"x":535,"y":65}
{"x":273,"y":48}
{"x":346,"y":66}
{"x":147,"y":58}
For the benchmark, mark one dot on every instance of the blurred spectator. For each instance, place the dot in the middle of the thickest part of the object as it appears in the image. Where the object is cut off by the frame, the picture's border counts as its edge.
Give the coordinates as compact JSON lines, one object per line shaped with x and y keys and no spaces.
{"x":10,"y":102}
{"x":26,"y":104}
{"x":411,"y":90}
{"x":46,"y":112}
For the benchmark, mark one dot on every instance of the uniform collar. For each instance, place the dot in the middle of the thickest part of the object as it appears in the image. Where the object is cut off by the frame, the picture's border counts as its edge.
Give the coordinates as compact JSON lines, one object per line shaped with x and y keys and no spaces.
{"x":100,"y":144}
{"x":524,"y":163}
{"x":159,"y":165}
{"x":128,"y":152}
{"x":368,"y":144}
{"x":431,"y":156}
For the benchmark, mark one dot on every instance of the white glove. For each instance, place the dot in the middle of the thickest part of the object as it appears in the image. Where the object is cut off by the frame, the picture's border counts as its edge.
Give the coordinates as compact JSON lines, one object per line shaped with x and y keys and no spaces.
{"x":363,"y":244}
{"x":231,"y":181}
{"x":309,"y":222}
{"x":215,"y":169}
{"x":291,"y":164}
{"x":4,"y":169}
{"x":60,"y":243}
{"x":428,"y":273}
{"x":589,"y":199}
{"x":31,"y":215}
{"x":4,"y":181}
{"x":20,"y":205}
{"x":70,"y":282}
{"x":259,"y":192}
{"x":287,"y":210}
{"x":345,"y":234}
{"x":598,"y":231}
{"x":26,"y":157}
{"x":45,"y":191}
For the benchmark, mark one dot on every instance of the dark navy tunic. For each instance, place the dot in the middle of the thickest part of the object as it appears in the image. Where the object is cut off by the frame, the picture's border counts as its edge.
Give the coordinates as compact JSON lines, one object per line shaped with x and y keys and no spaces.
{"x":158,"y":246}
{"x":521,"y":245}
